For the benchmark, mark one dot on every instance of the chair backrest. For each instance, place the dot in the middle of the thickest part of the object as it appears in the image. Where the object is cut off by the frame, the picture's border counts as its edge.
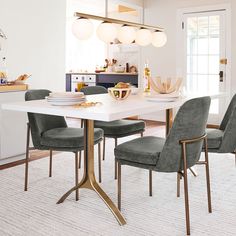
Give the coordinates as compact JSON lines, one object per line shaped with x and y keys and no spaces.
{"x":90,"y":90}
{"x":228,"y":113}
{"x":228,"y":125}
{"x":40,"y":123}
{"x":190,"y":122}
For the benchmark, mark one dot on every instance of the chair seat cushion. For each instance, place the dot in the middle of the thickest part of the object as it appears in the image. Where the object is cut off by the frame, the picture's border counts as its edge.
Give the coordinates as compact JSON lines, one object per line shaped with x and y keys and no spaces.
{"x":67,"y":138}
{"x":214,"y":138}
{"x":121,"y":128}
{"x":145,"y":150}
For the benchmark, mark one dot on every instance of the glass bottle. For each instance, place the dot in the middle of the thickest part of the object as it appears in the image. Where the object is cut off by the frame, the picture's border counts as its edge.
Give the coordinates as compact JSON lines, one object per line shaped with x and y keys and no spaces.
{"x":147,"y":74}
{"x":3,"y":71}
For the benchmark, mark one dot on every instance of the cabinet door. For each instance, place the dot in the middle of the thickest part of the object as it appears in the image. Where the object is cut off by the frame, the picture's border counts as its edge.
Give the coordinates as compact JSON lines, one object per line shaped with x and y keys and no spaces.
{"x":13,"y":126}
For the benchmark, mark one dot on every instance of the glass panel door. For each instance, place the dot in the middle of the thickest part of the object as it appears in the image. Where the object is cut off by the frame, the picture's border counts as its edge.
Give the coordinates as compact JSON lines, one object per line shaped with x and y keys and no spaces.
{"x":205,"y":47}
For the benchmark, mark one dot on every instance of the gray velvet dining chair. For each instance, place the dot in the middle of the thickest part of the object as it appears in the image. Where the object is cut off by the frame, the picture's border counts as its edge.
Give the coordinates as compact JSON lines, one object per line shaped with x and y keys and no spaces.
{"x":114,"y":129}
{"x":223,"y":140}
{"x":175,"y":154}
{"x":51,"y":133}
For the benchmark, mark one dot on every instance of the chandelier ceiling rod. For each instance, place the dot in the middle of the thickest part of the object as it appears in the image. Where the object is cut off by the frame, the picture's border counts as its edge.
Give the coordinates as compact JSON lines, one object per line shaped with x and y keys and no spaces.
{"x":116,"y":21}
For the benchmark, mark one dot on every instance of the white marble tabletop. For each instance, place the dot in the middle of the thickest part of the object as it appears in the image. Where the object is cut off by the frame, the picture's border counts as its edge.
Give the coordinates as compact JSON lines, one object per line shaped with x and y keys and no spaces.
{"x":109,"y":109}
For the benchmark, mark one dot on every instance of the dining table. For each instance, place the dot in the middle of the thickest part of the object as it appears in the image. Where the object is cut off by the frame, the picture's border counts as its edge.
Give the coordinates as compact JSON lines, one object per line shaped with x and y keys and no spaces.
{"x":105,"y":108}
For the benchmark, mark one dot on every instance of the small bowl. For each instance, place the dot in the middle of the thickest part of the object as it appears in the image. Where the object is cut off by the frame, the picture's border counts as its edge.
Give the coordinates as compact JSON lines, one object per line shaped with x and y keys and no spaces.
{"x":119,"y":93}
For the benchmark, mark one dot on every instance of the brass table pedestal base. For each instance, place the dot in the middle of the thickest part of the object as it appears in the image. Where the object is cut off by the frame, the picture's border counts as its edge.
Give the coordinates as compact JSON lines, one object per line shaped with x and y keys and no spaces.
{"x":89,"y":180}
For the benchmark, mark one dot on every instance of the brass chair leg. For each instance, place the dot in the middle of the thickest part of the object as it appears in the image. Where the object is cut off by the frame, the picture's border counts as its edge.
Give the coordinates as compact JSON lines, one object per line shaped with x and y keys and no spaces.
{"x":115,"y":160}
{"x":104,"y":148}
{"x":186,"y":189}
{"x":99,"y":163}
{"x":193,"y":171}
{"x":178,"y":184}
{"x":119,"y":185}
{"x":207,"y":176}
{"x":76,"y":176}
{"x":150,"y":183}
{"x":50,"y":164}
{"x":80,"y":154}
{"x":27,"y":157}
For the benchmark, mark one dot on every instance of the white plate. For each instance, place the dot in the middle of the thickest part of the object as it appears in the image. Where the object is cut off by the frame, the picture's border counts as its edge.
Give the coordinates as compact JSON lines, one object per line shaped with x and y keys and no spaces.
{"x":64,"y":99}
{"x":66,"y":95}
{"x":156,"y":99}
{"x":162,"y":97}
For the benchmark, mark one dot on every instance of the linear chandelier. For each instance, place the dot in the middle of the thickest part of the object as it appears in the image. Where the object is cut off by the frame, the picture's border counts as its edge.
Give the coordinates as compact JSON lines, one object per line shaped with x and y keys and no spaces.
{"x":112,"y":29}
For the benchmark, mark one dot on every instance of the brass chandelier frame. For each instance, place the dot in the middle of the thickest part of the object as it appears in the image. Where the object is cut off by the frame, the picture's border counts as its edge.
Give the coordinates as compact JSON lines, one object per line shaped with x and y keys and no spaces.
{"x":116,"y":21}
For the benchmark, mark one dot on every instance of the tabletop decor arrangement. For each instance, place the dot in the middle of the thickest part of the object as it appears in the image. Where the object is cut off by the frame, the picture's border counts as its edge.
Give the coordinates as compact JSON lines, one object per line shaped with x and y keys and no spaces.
{"x":167,"y":90}
{"x":166,"y":86}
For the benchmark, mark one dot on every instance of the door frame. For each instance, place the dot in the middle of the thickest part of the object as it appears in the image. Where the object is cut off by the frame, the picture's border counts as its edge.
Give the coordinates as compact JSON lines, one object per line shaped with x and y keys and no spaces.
{"x":180,"y":63}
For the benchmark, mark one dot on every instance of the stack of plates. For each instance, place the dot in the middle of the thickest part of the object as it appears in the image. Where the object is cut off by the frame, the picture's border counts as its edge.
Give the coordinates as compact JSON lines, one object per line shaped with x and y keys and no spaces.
{"x":65,"y":99}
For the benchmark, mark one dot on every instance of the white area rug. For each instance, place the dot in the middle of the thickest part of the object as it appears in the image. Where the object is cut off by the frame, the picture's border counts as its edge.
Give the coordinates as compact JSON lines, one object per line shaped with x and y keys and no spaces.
{"x":35,"y":213}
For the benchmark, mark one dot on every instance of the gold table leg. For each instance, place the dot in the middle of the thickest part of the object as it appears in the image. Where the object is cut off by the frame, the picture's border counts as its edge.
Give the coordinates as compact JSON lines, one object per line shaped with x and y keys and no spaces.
{"x":169,"y":120}
{"x":88,"y":181}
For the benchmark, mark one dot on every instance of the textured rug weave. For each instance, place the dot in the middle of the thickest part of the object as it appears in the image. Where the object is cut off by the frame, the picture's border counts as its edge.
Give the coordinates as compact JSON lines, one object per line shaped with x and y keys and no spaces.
{"x":35,"y":213}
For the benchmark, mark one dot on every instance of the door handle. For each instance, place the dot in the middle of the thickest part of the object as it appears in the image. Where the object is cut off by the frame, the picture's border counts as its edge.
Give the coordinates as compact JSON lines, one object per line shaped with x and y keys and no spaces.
{"x":221,"y":74}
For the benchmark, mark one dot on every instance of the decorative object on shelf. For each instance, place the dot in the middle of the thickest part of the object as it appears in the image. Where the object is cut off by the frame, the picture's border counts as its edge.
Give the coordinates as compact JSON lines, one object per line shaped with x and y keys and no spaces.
{"x":147,"y":75}
{"x":119,"y":69}
{"x":110,"y":65}
{"x":3,"y":71}
{"x":21,"y":79}
{"x":166,"y":86}
{"x":82,"y":28}
{"x":133,"y":69}
{"x":159,"y":39}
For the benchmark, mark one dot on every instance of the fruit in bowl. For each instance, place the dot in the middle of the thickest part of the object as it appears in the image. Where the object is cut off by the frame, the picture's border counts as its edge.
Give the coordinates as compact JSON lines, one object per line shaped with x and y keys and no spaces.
{"x":121,"y":91}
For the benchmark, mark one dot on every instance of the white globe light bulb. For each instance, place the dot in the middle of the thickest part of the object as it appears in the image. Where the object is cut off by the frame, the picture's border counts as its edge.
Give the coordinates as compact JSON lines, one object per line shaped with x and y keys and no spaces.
{"x":107,"y":32}
{"x":82,"y":28}
{"x":126,"y":34}
{"x":159,"y":39}
{"x":143,"y":37}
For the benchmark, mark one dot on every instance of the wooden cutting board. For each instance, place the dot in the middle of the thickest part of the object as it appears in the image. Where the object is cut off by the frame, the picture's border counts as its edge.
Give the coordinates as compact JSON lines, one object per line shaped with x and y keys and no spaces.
{"x":15,"y":87}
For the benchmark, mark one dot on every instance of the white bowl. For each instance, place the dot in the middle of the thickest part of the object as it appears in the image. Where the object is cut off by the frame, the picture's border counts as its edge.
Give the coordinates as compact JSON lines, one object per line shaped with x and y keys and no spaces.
{"x":119,"y":69}
{"x":166,"y":86}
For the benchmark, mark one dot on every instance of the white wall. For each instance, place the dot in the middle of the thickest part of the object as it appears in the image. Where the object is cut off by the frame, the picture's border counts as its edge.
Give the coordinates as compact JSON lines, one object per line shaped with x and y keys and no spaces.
{"x":36,"y":40}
